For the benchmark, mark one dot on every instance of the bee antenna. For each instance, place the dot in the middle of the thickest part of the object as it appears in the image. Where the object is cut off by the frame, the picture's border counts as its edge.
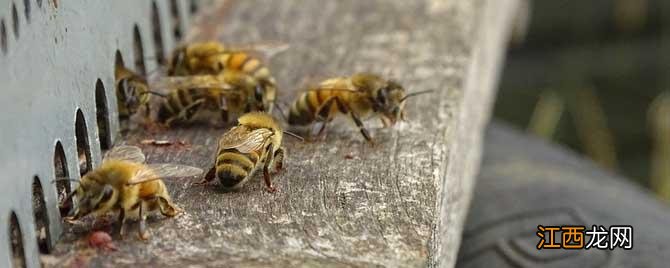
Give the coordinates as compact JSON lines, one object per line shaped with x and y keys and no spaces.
{"x":293,"y":135}
{"x":413,"y":94}
{"x":158,"y":94}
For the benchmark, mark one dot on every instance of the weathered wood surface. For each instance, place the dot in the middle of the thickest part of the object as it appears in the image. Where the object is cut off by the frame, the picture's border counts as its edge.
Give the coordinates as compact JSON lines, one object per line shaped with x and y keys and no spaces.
{"x":340,"y":202}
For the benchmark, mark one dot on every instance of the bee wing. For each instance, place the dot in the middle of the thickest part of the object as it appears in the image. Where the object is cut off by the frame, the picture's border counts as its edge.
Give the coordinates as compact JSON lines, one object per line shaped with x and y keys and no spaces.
{"x":244,"y":140}
{"x":336,"y":84}
{"x":174,"y":170}
{"x":125,"y":152}
{"x":264,"y":50}
{"x":333,"y":88}
{"x":191,"y":81}
{"x":233,"y":137}
{"x":163,"y":171}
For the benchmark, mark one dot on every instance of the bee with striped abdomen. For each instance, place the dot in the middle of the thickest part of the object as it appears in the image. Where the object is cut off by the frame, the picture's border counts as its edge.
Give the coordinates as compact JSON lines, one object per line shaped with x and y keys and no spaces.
{"x":213,"y":58}
{"x":360,"y":96}
{"x":125,"y":184}
{"x":199,"y":96}
{"x":254,"y":143}
{"x":244,"y":62}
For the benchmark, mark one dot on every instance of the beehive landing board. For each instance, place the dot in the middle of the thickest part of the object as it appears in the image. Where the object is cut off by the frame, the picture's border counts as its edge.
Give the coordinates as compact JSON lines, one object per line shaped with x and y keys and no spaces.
{"x":340,"y":202}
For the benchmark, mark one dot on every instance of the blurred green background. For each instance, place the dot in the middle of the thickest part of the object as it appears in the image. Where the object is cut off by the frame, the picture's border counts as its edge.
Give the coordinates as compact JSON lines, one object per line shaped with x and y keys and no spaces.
{"x":593,"y":75}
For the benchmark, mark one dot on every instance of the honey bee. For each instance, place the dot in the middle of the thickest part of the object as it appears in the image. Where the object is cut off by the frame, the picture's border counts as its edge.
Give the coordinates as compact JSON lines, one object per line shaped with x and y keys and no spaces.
{"x":213,"y":57}
{"x":125,"y":184}
{"x":256,"y":141}
{"x":361,"y":95}
{"x":196,"y":96}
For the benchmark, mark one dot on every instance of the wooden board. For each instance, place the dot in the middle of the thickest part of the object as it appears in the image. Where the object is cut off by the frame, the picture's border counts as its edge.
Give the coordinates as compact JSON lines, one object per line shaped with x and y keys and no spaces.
{"x":340,"y":202}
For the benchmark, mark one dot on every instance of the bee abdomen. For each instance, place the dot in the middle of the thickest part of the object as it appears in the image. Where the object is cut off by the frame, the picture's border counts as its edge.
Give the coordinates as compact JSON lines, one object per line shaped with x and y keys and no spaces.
{"x":249,"y":65}
{"x":176,"y":101}
{"x":233,"y":168}
{"x":304,"y":110}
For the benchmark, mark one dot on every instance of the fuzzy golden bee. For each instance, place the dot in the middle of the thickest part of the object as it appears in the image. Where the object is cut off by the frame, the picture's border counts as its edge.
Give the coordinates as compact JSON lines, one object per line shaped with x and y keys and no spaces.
{"x":194,"y":97}
{"x":256,"y":142}
{"x":359,"y":96}
{"x":132,"y":92}
{"x":213,"y":57}
{"x":125,"y":184}
{"x":195,"y":58}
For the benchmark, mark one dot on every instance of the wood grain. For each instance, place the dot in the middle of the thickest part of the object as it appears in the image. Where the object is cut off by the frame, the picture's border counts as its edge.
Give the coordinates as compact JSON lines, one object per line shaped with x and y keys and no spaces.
{"x":341,"y":202}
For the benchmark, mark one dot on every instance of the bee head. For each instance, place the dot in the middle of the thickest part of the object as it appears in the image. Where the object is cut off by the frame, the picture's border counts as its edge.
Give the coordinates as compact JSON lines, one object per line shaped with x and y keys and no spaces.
{"x":92,"y":197}
{"x":389,"y":101}
{"x":132,"y":94}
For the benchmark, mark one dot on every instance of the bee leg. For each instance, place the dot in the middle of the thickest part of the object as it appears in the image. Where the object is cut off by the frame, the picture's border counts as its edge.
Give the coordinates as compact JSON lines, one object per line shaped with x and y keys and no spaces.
{"x":188,"y":112}
{"x":315,"y":127}
{"x":362,"y":128}
{"x":224,"y":116}
{"x":149,"y":124}
{"x":385,"y":122}
{"x":223,"y":106}
{"x":323,"y":115}
{"x":147,"y":113}
{"x":211,"y":174}
{"x":192,"y":109}
{"x":124,"y":124}
{"x":122,"y":220}
{"x":167,"y":208}
{"x":321,"y":134}
{"x":168,"y":122}
{"x":343,"y":107}
{"x":279,"y":159}
{"x":143,"y":234}
{"x":266,"y":170}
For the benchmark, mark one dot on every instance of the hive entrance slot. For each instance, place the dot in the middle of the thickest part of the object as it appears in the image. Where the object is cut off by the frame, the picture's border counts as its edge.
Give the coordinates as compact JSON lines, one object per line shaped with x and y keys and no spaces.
{"x":16,"y":240}
{"x":176,"y":19}
{"x":139,"y":51}
{"x":61,"y":175}
{"x":193,"y":6}
{"x":157,"y":33}
{"x":3,"y":36}
{"x":102,"y":116}
{"x":15,"y":20}
{"x":26,"y":9}
{"x":118,"y":60}
{"x":41,"y":218}
{"x":83,"y":146}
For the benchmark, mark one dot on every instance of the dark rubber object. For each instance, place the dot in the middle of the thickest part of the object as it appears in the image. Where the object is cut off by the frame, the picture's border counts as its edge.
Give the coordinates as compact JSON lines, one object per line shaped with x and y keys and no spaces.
{"x":526,"y":182}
